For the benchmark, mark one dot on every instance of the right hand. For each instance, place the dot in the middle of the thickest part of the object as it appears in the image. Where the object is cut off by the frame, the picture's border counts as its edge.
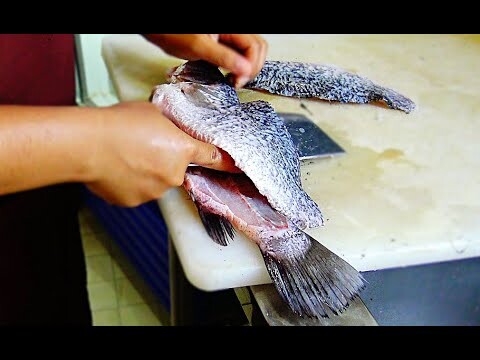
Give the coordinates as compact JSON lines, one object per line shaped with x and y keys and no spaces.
{"x":140,"y":154}
{"x":242,"y":54}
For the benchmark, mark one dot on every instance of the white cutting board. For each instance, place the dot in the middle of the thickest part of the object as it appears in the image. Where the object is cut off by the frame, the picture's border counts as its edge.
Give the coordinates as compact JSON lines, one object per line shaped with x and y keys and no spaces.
{"x":407,"y":191}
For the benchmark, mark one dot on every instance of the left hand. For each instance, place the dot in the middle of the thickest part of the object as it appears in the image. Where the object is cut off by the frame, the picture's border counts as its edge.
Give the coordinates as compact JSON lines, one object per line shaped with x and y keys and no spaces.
{"x":241,"y":54}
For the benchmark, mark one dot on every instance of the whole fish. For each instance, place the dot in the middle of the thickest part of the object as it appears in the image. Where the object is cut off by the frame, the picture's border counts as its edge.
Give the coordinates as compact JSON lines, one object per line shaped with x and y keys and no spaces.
{"x":267,"y":202}
{"x":325,"y":82}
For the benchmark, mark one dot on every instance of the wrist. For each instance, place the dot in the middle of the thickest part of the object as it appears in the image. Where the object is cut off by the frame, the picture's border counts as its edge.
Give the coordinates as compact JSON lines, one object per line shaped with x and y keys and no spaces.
{"x":88,"y":135}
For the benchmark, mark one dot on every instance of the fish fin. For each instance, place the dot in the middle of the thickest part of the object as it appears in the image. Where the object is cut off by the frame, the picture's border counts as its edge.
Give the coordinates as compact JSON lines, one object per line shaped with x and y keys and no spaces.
{"x":317,"y":283}
{"x":218,"y":228}
{"x":395,"y":100}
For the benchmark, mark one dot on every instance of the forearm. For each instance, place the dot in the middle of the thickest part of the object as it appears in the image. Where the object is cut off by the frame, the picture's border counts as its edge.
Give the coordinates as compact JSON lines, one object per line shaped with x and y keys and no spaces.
{"x":41,"y":146}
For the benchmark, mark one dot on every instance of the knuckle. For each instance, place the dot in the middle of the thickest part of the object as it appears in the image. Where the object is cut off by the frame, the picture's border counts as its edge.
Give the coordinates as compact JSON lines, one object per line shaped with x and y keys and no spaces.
{"x":146,"y":195}
{"x":228,"y":59}
{"x":176,"y":179}
{"x":196,"y":45}
{"x":214,"y":155}
{"x":190,"y":151}
{"x":199,"y":45}
{"x":159,"y":193}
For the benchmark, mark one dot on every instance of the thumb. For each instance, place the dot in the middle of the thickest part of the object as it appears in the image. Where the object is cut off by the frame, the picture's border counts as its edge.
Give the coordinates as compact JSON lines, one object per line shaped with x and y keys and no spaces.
{"x":210,"y":156}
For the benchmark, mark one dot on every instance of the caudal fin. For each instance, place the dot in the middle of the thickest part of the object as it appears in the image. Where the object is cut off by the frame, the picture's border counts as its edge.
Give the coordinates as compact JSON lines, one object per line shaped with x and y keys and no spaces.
{"x":315,"y":282}
{"x":396,"y":100}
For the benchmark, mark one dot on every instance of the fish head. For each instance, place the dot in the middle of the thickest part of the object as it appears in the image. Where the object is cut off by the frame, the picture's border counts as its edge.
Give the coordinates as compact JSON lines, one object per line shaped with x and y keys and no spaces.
{"x":199,"y":71}
{"x":195,"y":96}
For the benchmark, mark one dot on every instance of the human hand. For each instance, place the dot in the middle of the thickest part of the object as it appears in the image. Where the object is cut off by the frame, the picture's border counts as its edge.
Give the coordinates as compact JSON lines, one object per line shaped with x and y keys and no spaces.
{"x":140,"y":154}
{"x":241,"y":54}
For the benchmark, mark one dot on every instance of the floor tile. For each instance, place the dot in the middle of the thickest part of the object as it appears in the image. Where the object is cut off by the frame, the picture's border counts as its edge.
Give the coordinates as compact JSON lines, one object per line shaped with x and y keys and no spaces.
{"x":138,"y":315}
{"x":118,"y":273}
{"x":92,"y":245}
{"x":248,"y":311}
{"x":99,"y":268}
{"x":126,"y":293}
{"x":106,"y":318}
{"x":243,"y":295}
{"x":114,"y":300}
{"x":89,"y":222}
{"x":102,"y":296}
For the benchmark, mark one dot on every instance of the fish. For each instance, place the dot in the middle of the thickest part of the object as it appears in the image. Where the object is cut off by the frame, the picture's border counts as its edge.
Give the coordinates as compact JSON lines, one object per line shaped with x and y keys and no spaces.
{"x":266,"y":202}
{"x":251,"y":133}
{"x":310,"y":278}
{"x":326,"y":82}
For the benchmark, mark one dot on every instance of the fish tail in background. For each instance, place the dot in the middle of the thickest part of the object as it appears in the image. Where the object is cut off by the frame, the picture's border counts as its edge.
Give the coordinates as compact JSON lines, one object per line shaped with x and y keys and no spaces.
{"x":395,"y":100}
{"x":307,"y":80}
{"x":317,"y":281}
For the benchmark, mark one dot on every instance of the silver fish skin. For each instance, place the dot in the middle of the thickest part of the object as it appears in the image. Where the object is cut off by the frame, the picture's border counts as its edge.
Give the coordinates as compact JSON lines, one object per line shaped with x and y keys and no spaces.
{"x":251,"y":133}
{"x":310,"y":278}
{"x":308,"y":80}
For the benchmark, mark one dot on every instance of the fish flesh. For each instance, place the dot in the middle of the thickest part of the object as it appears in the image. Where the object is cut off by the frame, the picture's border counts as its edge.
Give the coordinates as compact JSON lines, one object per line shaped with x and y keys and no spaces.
{"x":267,"y":201}
{"x":307,"y":80}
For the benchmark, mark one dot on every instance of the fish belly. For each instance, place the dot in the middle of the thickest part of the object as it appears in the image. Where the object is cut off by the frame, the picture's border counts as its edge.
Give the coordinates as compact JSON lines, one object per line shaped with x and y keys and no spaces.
{"x":310,"y":278}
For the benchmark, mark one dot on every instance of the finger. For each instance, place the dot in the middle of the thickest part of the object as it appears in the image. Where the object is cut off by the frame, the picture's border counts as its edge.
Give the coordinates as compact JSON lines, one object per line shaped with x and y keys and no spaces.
{"x":256,"y":53}
{"x":253,"y":47}
{"x":263,"y":55}
{"x":212,"y":157}
{"x":258,"y":65}
{"x":243,"y":43}
{"x":224,"y":56}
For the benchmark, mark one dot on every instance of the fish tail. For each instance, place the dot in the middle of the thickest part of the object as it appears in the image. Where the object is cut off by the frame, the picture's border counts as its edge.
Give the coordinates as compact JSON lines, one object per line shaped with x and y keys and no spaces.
{"x":315,"y":283}
{"x":396,"y":100}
